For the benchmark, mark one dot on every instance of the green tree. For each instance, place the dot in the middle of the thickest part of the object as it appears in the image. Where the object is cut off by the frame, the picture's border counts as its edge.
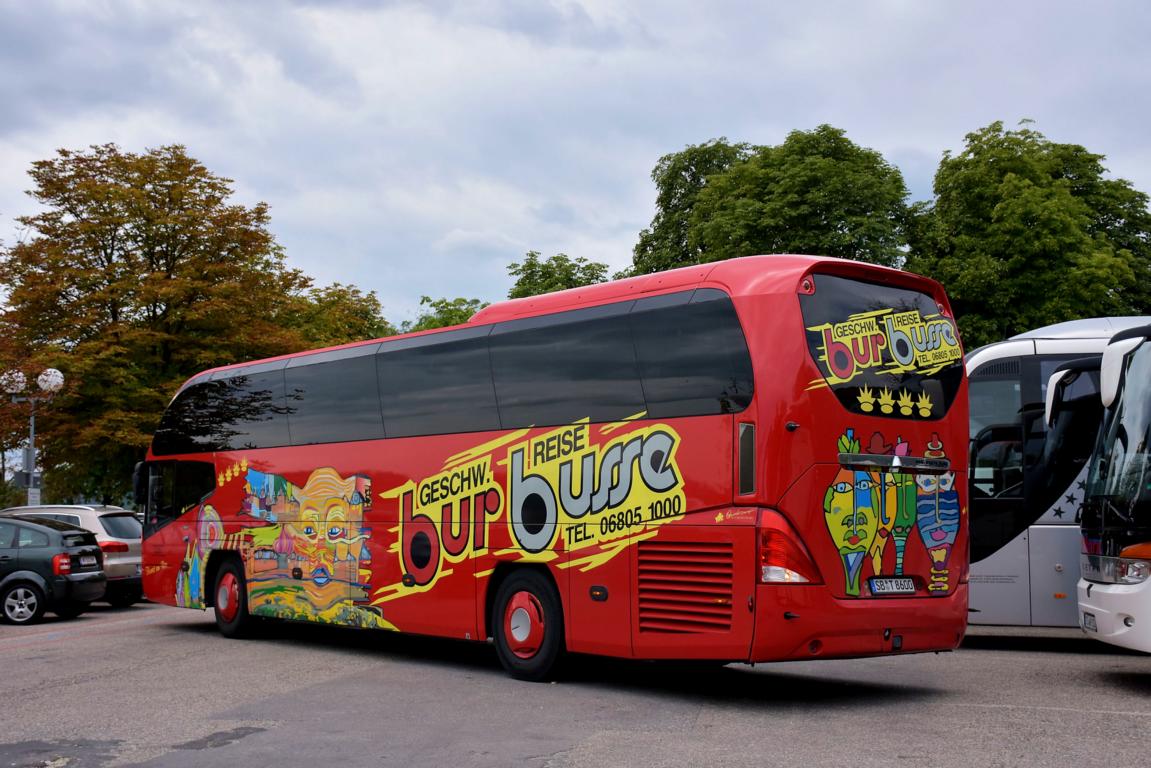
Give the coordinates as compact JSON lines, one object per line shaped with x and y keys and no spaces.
{"x":534,"y":277}
{"x":138,"y":273}
{"x":336,"y":314}
{"x":1025,"y":232}
{"x":441,"y":313}
{"x":679,"y":178}
{"x":816,"y":193}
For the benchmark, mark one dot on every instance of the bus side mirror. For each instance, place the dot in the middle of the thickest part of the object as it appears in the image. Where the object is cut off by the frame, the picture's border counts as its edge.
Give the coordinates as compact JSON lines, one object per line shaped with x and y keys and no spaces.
{"x":1052,"y":387}
{"x":140,"y":483}
{"x":1111,"y":370}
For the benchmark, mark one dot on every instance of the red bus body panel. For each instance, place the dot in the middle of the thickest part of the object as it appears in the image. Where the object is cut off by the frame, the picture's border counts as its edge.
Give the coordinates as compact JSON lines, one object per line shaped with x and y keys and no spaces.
{"x":411,"y":534}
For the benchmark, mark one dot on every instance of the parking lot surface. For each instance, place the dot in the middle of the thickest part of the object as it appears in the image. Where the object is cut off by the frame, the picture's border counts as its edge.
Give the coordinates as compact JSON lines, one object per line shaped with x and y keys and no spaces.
{"x":157,"y":686}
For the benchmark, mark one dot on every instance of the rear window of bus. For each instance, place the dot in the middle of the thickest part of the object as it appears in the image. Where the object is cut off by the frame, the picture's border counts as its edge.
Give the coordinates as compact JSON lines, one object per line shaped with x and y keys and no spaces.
{"x":883,"y":350}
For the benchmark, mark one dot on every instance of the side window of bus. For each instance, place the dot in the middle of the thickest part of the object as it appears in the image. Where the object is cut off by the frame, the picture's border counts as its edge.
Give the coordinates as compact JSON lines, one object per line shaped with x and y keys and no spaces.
{"x":173,"y":488}
{"x":437,"y":384}
{"x":996,"y":429}
{"x":254,"y":413}
{"x":1070,"y":438}
{"x":244,"y":411}
{"x":693,"y":358}
{"x":560,"y":368}
{"x":333,"y":400}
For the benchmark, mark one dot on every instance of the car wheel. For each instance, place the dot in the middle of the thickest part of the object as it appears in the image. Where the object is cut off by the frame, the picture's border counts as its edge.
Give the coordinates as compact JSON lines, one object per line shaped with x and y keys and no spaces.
{"x":529,"y":625}
{"x":22,"y":603}
{"x":70,"y":610}
{"x":231,"y":601}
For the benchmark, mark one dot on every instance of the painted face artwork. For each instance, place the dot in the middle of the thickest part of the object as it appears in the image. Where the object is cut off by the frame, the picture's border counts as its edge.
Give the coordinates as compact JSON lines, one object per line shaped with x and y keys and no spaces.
{"x":864,"y":510}
{"x":305,"y":548}
{"x":851,"y":508}
{"x":327,"y":537}
{"x":937,"y":517}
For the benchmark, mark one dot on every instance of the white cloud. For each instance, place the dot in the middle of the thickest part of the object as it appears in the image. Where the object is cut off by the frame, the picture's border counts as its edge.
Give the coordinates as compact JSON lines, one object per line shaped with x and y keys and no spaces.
{"x":419,"y":147}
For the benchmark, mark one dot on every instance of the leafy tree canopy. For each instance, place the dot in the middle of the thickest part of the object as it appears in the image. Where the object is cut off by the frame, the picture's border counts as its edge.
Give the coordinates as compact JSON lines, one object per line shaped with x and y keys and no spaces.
{"x":679,"y":178}
{"x":816,"y":193}
{"x":441,"y":313}
{"x":1025,"y":232}
{"x":534,"y":277}
{"x":138,"y":273}
{"x":337,"y":314}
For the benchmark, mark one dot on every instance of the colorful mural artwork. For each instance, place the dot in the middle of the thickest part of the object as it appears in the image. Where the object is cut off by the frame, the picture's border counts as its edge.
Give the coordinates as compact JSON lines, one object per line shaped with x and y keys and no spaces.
{"x":866,"y":509}
{"x":305,"y":548}
{"x":938,"y":516}
{"x":851,"y":507}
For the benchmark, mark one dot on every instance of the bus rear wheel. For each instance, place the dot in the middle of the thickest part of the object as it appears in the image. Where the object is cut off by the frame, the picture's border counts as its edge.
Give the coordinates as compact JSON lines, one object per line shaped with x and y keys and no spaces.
{"x":529,"y":625}
{"x":231,"y":601}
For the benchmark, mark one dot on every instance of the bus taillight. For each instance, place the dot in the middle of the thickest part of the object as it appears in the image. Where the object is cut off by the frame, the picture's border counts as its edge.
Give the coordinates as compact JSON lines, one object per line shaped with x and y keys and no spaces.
{"x":782,"y":557}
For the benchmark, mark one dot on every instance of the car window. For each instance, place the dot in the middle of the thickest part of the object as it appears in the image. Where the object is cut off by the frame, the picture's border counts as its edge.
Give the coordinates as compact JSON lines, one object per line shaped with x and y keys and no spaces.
{"x":31,"y":538}
{"x":122,"y":526}
{"x":7,"y":535}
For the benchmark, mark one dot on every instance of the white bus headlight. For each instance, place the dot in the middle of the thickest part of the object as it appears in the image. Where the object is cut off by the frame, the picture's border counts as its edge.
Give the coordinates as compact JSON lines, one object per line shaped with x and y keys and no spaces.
{"x":1132,"y":571}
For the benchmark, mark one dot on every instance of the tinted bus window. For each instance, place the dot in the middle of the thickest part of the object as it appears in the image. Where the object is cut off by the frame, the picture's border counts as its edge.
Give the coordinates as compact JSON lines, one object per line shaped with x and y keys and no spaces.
{"x":192,"y":422}
{"x":254,"y":413}
{"x":333,"y":401}
{"x":693,"y":358}
{"x":438,"y":385}
{"x":883,"y":350}
{"x":561,"y":368}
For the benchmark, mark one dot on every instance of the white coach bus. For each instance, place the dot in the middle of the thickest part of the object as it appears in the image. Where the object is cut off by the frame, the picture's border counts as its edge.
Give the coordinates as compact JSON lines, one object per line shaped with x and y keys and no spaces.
{"x":1028,"y":480}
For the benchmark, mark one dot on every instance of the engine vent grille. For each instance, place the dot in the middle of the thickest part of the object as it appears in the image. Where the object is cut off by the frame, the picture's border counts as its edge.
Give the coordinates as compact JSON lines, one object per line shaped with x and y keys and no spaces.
{"x":685,"y":587}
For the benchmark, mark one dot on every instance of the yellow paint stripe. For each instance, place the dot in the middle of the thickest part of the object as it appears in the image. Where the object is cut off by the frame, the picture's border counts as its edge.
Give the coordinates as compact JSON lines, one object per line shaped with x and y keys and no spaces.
{"x":481,"y":450}
{"x":607,"y":429}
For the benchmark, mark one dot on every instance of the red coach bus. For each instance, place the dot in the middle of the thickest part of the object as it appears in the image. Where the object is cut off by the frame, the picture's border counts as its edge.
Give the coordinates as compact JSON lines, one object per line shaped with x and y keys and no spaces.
{"x":752,"y":460}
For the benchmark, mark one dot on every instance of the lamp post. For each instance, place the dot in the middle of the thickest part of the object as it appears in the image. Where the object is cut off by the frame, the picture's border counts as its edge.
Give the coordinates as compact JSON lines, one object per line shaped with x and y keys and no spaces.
{"x":16,"y":385}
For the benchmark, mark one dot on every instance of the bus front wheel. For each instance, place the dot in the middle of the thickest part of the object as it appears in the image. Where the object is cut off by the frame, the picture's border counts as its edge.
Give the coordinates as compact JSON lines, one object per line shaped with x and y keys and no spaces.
{"x":529,"y":625}
{"x":231,"y":601}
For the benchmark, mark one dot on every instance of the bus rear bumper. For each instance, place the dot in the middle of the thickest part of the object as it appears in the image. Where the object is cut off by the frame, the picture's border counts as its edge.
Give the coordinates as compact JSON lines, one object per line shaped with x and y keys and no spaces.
{"x":794,"y":623}
{"x":1111,"y":613}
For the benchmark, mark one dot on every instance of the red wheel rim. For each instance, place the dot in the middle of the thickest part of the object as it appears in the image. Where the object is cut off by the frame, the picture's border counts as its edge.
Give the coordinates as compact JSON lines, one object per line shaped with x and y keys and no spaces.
{"x":228,"y":596}
{"x":524,"y":624}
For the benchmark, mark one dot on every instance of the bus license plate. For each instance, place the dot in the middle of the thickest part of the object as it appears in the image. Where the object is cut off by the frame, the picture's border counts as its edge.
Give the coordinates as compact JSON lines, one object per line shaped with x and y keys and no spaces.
{"x":1089,"y":622}
{"x":87,"y":559}
{"x":893,"y":586}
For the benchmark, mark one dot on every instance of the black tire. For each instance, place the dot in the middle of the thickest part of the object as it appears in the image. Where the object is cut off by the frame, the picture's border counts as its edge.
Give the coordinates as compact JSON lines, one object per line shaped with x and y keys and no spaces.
{"x":70,"y":610}
{"x":528,"y":625}
{"x":22,"y":603}
{"x":231,"y":604}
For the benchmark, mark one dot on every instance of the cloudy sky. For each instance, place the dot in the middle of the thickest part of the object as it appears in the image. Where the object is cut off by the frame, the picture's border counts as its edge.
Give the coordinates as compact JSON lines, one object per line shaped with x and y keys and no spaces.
{"x":420,"y":147}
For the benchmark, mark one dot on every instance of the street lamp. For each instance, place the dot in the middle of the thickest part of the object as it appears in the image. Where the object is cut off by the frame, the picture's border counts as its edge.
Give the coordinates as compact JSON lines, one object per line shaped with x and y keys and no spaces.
{"x":16,"y":385}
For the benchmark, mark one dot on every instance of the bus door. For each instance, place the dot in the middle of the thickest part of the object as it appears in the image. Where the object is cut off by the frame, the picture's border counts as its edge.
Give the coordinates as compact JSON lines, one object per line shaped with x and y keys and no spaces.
{"x":999,"y":579}
{"x":1056,"y":487}
{"x":172,"y":492}
{"x":1023,"y":501}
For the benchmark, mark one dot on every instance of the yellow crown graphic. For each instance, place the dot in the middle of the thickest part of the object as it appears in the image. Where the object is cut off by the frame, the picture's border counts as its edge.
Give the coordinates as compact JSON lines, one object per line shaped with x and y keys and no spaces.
{"x":866,"y":400}
{"x":886,"y":401}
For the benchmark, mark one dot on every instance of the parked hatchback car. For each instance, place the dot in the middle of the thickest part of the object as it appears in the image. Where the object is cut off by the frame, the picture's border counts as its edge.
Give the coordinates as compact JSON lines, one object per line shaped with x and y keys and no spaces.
{"x":46,"y":565}
{"x":118,"y":533}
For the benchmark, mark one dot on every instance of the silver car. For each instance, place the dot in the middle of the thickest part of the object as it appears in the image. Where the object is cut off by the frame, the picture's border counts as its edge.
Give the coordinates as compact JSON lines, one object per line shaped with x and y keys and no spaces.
{"x":118,"y":533}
